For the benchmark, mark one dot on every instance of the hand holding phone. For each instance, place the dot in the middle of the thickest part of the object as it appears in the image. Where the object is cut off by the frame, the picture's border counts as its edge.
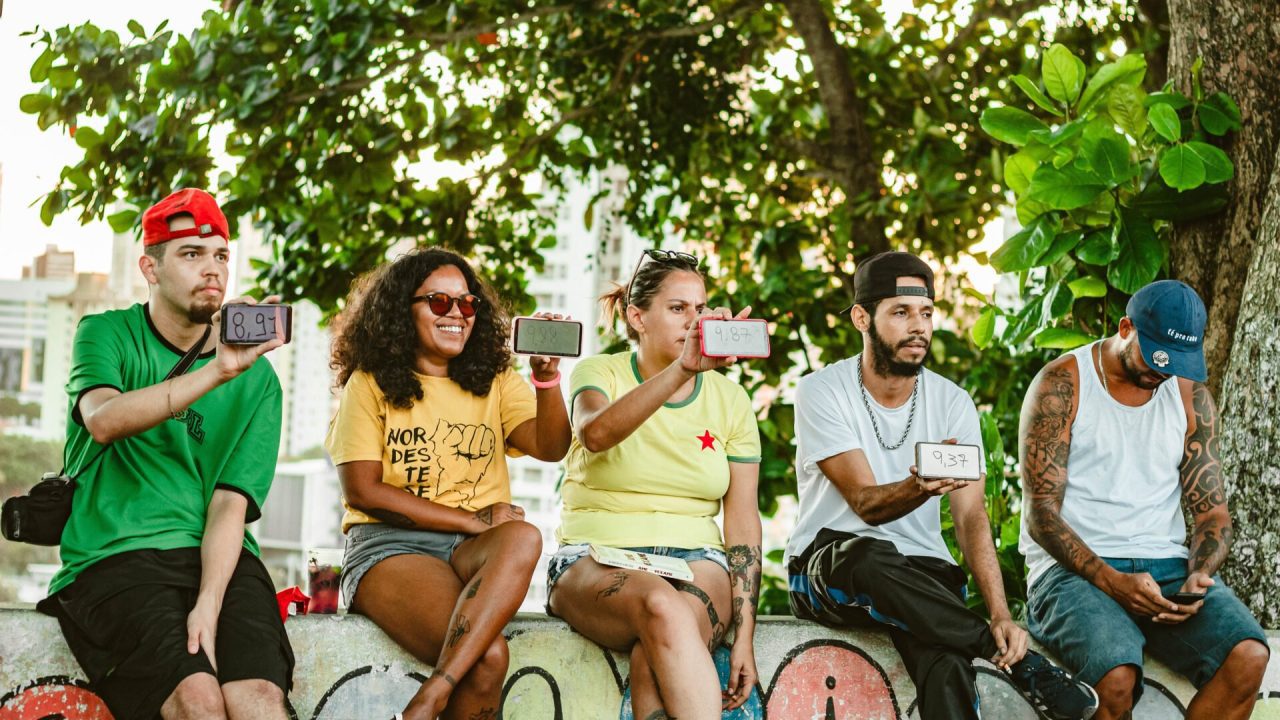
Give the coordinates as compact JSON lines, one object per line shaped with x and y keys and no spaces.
{"x":1185,"y":598}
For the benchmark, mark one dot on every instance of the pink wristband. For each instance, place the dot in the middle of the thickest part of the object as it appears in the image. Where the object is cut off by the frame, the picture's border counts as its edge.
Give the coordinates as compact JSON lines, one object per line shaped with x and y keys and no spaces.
{"x":547,"y":384}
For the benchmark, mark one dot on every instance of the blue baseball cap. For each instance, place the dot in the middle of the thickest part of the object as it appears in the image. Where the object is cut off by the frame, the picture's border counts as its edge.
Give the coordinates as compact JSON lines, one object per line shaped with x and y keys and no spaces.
{"x":1170,"y":319}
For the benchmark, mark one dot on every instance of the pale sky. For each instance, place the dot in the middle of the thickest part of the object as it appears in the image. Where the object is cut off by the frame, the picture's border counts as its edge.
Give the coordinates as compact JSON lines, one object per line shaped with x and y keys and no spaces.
{"x":32,"y":159}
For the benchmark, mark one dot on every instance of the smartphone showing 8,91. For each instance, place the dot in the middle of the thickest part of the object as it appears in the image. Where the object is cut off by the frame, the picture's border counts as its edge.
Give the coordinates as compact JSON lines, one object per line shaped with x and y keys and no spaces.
{"x":244,"y":324}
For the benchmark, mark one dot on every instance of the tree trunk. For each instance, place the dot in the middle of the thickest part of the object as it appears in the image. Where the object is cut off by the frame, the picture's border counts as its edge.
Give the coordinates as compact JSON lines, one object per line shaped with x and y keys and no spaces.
{"x":1233,"y":260}
{"x":1250,"y":436}
{"x":848,"y":152}
{"x":1239,"y":41}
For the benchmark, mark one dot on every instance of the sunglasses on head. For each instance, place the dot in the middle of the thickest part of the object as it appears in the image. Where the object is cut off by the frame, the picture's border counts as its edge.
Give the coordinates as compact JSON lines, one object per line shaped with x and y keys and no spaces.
{"x":441,"y":303}
{"x":661,"y":256}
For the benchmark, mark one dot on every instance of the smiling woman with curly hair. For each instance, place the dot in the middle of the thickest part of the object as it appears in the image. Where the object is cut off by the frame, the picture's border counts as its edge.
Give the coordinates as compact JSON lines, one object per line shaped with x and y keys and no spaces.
{"x":436,"y":554}
{"x":378,"y":333}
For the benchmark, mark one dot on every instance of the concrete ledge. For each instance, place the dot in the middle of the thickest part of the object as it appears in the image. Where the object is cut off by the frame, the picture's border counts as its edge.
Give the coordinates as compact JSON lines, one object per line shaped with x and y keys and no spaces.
{"x":347,"y":668}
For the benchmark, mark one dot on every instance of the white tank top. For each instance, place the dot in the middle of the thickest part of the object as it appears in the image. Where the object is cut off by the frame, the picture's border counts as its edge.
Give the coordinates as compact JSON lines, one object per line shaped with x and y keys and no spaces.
{"x":1123,"y":495}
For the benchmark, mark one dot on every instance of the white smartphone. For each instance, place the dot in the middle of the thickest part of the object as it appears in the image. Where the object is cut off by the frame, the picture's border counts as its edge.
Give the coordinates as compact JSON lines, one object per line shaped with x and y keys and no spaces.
{"x":944,"y":460}
{"x":747,"y":338}
{"x":540,"y":336}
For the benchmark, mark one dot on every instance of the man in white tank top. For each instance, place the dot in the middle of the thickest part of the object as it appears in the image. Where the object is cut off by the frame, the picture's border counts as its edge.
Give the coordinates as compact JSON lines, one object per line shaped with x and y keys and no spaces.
{"x":868,"y":543}
{"x":1116,"y":438}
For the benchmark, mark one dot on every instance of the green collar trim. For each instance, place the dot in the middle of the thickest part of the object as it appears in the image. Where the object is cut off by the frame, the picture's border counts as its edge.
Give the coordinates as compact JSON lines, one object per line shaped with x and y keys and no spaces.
{"x":697,"y":385}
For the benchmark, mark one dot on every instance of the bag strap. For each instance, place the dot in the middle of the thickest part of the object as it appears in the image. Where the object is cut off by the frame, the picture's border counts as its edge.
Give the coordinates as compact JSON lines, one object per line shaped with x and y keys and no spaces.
{"x":184,"y":364}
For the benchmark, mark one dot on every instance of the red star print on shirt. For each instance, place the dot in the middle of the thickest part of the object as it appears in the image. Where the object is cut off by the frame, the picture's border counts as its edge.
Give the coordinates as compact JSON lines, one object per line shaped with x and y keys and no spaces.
{"x":708,"y":440}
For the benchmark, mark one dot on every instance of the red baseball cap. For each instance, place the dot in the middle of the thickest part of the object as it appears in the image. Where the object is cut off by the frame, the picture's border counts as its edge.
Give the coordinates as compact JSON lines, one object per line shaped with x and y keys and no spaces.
{"x":197,"y":203}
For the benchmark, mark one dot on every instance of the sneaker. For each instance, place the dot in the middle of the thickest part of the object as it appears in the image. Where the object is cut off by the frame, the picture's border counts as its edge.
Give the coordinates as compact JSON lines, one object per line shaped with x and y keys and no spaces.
{"x":1052,"y":690}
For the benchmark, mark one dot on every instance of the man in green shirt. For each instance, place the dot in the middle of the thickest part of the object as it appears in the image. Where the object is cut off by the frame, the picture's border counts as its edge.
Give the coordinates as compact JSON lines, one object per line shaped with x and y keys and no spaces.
{"x":161,"y":595}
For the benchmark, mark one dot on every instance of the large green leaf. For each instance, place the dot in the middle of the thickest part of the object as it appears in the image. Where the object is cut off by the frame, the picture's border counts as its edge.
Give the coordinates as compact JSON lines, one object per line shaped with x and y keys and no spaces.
{"x":1124,"y":105}
{"x":1063,"y":243}
{"x":1018,"y":169}
{"x":1165,"y":120}
{"x":1217,"y":166}
{"x":87,"y":137}
{"x":1009,"y":124}
{"x":1056,"y":338}
{"x":1024,"y":248}
{"x":1097,"y":248}
{"x":1181,"y":168}
{"x":1219,"y":114}
{"x":1065,"y":188}
{"x":34,"y":103}
{"x":1037,"y":97}
{"x":1128,"y":70}
{"x":984,"y":328}
{"x":1063,"y":73}
{"x":1028,"y":209}
{"x":1108,"y":154}
{"x":1088,"y":286}
{"x":1161,"y":202}
{"x":122,"y":221}
{"x":1140,"y":256}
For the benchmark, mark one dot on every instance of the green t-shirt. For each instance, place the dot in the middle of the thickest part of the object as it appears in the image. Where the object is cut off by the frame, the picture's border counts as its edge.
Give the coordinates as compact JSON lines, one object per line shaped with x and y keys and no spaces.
{"x":663,"y":484}
{"x":152,"y":490}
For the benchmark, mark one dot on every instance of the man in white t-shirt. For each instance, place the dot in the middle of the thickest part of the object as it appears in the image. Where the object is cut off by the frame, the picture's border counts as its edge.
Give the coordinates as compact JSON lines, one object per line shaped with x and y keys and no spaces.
{"x":1117,"y":437}
{"x":868,"y":542}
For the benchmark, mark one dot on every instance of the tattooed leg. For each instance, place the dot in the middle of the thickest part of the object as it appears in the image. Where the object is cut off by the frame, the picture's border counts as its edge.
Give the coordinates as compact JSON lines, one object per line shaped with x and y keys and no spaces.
{"x":619,"y":579}
{"x":717,"y":628}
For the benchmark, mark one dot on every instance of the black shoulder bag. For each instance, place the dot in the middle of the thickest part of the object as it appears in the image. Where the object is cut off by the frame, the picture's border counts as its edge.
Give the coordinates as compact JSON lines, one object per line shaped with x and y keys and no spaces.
{"x":39,"y":516}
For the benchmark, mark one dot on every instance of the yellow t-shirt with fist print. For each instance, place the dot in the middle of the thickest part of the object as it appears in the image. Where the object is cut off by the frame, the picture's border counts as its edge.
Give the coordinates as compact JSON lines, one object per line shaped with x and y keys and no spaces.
{"x":449,"y":448}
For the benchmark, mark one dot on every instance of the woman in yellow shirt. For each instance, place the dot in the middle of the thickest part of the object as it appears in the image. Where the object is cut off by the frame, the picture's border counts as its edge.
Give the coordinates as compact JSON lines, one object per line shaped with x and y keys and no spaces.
{"x":658,"y":445}
{"x":436,"y":555}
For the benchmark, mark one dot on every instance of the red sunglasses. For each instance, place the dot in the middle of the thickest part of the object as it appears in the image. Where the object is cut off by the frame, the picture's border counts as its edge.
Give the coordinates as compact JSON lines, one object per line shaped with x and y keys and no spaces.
{"x":441,"y":303}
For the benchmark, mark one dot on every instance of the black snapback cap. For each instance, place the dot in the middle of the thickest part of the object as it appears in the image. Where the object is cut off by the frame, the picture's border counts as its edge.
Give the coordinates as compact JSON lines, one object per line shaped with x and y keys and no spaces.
{"x":877,"y":278}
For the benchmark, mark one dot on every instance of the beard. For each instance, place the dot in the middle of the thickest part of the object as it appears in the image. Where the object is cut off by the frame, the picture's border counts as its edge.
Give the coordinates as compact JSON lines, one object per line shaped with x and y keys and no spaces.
{"x":1149,"y":380}
{"x":201,"y":312}
{"x":884,"y":356}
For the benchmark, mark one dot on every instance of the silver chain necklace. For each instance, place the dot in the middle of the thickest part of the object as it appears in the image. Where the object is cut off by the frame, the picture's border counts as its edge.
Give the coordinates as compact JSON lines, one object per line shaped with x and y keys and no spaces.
{"x":915,"y":391}
{"x":1102,"y":370}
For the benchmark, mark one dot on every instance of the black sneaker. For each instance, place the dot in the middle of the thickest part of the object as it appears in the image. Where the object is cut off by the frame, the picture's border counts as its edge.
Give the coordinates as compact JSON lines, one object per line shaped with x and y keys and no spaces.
{"x":1052,"y":690}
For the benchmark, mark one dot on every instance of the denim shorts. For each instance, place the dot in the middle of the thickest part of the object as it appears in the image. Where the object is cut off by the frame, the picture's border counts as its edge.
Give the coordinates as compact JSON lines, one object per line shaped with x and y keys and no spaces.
{"x":567,"y":555}
{"x":1092,"y":634}
{"x":370,"y":543}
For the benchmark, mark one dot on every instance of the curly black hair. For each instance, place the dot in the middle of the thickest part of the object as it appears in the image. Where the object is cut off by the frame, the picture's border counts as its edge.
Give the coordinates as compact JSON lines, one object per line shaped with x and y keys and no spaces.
{"x":376,"y":332}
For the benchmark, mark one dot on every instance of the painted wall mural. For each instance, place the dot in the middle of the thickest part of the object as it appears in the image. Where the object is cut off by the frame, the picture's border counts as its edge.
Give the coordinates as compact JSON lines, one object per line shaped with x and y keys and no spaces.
{"x":348,"y":669}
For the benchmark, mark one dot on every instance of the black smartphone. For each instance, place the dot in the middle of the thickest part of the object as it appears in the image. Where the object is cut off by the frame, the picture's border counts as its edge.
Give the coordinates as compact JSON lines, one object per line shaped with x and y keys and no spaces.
{"x":244,"y":324}
{"x":543,"y":336}
{"x":1185,"y":598}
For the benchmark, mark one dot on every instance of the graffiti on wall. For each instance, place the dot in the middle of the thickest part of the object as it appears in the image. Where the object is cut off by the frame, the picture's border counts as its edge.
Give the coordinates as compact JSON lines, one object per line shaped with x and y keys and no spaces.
{"x":552,"y":679}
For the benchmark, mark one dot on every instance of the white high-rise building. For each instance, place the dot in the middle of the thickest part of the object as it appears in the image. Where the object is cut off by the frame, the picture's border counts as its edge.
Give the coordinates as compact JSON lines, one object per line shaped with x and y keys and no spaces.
{"x":92,"y":294}
{"x":24,"y":334}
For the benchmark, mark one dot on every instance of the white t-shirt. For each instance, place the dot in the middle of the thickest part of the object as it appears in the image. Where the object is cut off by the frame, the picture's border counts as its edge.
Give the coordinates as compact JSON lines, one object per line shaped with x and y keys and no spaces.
{"x":831,"y":419}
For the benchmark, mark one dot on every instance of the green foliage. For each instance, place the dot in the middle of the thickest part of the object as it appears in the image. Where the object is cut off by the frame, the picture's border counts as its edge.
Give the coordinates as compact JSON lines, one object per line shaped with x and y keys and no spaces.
{"x":1097,"y":190}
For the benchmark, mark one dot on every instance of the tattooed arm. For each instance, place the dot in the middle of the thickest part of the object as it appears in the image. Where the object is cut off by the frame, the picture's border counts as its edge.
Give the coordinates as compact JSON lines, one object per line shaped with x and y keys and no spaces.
{"x":1044,"y":442}
{"x":742,"y":541}
{"x":364,"y":490}
{"x":1201,"y":475}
